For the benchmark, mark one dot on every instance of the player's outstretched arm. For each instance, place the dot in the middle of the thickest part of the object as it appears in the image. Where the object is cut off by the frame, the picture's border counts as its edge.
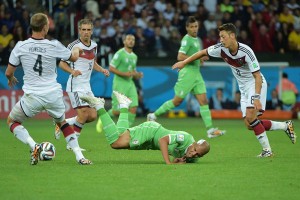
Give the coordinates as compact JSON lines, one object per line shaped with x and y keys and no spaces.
{"x":9,"y":73}
{"x":163,"y":144}
{"x":64,"y":66}
{"x":179,"y":65}
{"x":76,"y":51}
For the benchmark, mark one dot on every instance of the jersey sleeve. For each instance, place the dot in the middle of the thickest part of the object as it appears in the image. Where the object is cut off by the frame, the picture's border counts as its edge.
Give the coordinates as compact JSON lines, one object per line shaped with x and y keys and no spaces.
{"x":214,"y":50}
{"x":184,"y":47}
{"x":252,"y":61}
{"x":14,"y":58}
{"x":115,"y":61}
{"x":62,"y":52}
{"x":176,"y":138}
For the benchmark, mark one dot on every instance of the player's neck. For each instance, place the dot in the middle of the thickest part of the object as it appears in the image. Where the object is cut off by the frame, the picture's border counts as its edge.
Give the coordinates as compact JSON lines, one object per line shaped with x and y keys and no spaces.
{"x":38,"y":35}
{"x":129,"y":50}
{"x":85,"y":42}
{"x":234,"y":48}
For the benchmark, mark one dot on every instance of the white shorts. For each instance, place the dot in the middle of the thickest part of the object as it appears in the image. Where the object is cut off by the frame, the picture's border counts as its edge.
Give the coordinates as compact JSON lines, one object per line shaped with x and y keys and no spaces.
{"x":32,"y":104}
{"x":75,"y":98}
{"x":247,"y":98}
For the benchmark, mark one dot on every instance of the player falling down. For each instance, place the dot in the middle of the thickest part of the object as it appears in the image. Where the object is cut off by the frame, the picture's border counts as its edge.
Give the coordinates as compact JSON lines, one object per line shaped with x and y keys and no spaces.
{"x":148,"y":135}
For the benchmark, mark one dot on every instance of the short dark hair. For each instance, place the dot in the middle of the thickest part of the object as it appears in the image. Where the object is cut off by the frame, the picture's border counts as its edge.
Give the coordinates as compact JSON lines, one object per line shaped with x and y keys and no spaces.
{"x":229,"y":27}
{"x":190,"y":19}
{"x":38,"y":21}
{"x":284,"y":75}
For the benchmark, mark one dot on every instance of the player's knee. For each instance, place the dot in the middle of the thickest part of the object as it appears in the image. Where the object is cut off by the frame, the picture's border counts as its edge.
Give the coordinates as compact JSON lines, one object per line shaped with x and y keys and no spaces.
{"x":177,"y":102}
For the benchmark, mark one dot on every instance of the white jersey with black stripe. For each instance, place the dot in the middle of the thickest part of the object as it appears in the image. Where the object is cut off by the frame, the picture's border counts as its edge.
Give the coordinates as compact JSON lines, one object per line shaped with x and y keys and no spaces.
{"x":242,"y":64}
{"x":38,"y":58}
{"x":84,"y":64}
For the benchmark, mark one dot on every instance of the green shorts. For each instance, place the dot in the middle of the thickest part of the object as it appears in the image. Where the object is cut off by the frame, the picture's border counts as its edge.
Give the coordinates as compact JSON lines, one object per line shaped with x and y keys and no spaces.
{"x":129,"y":91}
{"x":193,"y":83}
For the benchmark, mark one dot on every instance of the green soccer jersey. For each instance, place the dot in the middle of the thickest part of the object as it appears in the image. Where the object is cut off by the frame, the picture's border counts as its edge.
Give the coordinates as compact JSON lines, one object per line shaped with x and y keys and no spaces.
{"x":189,"y":46}
{"x":124,"y":62}
{"x":147,"y":135}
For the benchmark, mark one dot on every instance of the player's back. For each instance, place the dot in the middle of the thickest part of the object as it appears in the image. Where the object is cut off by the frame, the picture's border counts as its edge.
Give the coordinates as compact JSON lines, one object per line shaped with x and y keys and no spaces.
{"x":38,"y":58}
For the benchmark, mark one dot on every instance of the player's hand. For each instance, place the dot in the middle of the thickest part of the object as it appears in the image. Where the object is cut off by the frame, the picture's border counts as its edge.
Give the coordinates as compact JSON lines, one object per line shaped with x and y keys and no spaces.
{"x":128,"y":74}
{"x":12,"y":82}
{"x":179,"y":160}
{"x":203,"y":59}
{"x":76,"y":73}
{"x":138,"y":75}
{"x":257,"y":104}
{"x":106,"y":72}
{"x":179,"y":65}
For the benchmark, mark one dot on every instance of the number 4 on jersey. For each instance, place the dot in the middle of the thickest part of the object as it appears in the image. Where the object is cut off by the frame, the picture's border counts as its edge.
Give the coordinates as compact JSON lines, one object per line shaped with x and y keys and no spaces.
{"x":38,"y":65}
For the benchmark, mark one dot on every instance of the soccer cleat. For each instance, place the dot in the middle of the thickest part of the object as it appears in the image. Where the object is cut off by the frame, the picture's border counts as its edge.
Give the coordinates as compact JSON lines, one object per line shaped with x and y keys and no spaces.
{"x":215,"y":132}
{"x":35,"y":154}
{"x":99,"y":126}
{"x":70,"y":149}
{"x":93,"y":101}
{"x":151,"y":117}
{"x":290,"y":131}
{"x":84,"y":161}
{"x":122,"y":99}
{"x":265,"y":154}
{"x":57,"y":132}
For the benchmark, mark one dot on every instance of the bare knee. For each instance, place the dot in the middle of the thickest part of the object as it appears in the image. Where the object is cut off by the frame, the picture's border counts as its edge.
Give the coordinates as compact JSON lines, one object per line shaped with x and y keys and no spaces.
{"x":177,"y":102}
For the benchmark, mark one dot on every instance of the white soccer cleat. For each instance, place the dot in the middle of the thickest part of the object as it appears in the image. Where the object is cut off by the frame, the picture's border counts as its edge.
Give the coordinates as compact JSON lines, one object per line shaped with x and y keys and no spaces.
{"x":265,"y":154}
{"x":122,"y":99}
{"x":94,"y":102}
{"x":84,"y":161}
{"x":215,"y":132}
{"x":290,"y":132}
{"x":70,"y":149}
{"x":151,"y":117}
{"x":57,"y":132}
{"x":34,"y":154}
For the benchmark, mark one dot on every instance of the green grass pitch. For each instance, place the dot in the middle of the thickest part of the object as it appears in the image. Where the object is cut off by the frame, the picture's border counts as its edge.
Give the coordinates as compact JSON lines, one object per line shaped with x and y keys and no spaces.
{"x":230,"y":171}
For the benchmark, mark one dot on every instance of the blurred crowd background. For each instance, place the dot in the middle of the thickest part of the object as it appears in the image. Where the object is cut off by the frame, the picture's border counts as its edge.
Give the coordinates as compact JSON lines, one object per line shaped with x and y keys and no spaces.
{"x":268,"y":26}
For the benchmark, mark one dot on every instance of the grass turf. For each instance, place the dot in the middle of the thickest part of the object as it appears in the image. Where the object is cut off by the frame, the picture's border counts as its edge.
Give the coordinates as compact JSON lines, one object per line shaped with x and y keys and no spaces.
{"x":230,"y":171}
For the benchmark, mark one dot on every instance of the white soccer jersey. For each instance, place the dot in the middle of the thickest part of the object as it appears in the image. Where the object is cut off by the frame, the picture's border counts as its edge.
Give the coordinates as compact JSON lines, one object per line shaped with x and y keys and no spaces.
{"x":242,"y":64}
{"x":38,"y":58}
{"x":84,"y":64}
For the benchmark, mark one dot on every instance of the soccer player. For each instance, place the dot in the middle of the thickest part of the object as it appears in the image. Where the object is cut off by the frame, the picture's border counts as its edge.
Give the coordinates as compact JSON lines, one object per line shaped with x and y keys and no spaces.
{"x":190,"y":80}
{"x":123,"y":65}
{"x":148,"y":135}
{"x":252,"y":84}
{"x":37,"y":56}
{"x":79,"y":79}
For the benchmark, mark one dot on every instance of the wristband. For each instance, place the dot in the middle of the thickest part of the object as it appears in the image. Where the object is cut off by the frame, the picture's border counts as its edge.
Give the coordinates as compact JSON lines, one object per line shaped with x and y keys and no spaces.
{"x":256,"y":96}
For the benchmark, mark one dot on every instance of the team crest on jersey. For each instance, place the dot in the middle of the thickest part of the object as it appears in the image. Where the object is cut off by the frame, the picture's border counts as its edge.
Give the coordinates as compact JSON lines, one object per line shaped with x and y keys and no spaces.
{"x":135,"y":141}
{"x":180,"y":137}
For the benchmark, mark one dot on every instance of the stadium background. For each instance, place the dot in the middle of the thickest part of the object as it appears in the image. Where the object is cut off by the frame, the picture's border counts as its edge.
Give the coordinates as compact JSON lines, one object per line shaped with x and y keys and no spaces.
{"x":158,"y":27}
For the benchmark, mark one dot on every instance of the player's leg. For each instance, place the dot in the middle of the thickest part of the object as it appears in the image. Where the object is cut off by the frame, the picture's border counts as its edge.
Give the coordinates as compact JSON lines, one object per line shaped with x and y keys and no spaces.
{"x":199,"y":90}
{"x":133,"y":95}
{"x":20,"y":113}
{"x":252,"y":122}
{"x":56,"y":109}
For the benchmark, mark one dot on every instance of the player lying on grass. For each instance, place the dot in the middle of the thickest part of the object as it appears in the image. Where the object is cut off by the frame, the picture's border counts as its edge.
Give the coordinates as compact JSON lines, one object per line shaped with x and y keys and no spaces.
{"x":148,"y":135}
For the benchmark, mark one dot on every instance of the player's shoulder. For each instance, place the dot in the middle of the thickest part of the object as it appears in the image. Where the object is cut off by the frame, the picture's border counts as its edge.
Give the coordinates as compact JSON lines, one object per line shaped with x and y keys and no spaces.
{"x":244,"y":46}
{"x":72,"y":44}
{"x":245,"y":49}
{"x":93,"y":43}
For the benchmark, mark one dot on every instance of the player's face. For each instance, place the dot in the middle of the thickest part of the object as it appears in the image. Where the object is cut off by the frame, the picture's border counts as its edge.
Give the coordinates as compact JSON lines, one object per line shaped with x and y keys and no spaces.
{"x":85,"y":32}
{"x":226,"y":38}
{"x":129,"y":41}
{"x":195,"y":151}
{"x":192,"y":29}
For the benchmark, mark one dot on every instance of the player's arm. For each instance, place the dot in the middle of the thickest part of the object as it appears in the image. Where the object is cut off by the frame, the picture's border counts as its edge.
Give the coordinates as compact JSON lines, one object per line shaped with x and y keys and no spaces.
{"x":163,"y":144}
{"x":65,"y":66}
{"x":179,"y":65}
{"x":119,"y":73}
{"x":258,"y":85}
{"x":98,"y":68}
{"x":76,"y":51}
{"x":137,"y":75}
{"x":9,"y":73}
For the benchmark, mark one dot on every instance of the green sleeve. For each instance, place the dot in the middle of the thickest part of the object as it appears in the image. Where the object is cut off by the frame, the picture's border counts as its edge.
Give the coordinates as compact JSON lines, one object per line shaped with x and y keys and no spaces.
{"x":116,"y":60}
{"x":184,"y":46}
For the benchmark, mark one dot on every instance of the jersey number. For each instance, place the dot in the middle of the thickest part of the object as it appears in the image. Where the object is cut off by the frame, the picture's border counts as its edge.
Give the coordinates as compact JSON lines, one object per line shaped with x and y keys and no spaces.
{"x":38,"y":65}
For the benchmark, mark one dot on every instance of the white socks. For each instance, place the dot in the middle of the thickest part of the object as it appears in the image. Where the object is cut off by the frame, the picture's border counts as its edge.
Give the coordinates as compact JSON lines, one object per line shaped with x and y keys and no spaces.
{"x":73,"y":143}
{"x":22,"y":134}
